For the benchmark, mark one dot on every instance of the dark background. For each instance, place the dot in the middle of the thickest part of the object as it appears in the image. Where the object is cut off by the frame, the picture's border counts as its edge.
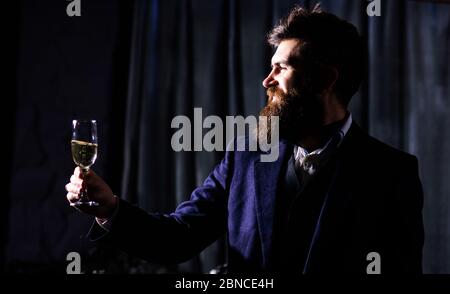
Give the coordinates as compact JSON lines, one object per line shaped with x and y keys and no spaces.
{"x":134,"y":65}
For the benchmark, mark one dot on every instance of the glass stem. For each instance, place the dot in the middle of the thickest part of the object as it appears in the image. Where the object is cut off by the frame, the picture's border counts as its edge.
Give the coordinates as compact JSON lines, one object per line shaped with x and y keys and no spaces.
{"x":83,"y":191}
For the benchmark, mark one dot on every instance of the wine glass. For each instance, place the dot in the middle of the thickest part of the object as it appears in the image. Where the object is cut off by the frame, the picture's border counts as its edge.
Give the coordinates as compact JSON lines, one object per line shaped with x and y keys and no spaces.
{"x":84,"y":146}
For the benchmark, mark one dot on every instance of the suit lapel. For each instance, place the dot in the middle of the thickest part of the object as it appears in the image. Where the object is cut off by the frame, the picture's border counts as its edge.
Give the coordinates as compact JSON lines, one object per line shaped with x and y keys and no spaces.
{"x":267,"y":176}
{"x":337,"y":198}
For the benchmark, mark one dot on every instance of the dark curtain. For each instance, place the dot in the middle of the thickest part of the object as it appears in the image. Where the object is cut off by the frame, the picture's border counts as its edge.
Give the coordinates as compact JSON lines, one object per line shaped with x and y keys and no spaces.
{"x":61,"y":68}
{"x":426,"y":120}
{"x":213,"y":55}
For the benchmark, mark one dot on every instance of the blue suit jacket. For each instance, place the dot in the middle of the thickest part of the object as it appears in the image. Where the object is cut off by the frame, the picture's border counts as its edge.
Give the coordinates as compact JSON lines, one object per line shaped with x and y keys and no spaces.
{"x":373,"y":204}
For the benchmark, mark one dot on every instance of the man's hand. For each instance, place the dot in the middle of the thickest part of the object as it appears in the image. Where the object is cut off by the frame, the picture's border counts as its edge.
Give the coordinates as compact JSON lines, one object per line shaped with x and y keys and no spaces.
{"x":97,"y":190}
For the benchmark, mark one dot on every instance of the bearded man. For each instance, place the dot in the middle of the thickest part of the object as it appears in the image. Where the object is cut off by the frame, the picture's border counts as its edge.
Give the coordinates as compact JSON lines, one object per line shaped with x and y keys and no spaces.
{"x":335,"y":201}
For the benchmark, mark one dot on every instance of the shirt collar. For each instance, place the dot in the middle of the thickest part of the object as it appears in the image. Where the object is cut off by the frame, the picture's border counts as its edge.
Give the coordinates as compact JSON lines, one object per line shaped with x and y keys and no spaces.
{"x":300,"y":152}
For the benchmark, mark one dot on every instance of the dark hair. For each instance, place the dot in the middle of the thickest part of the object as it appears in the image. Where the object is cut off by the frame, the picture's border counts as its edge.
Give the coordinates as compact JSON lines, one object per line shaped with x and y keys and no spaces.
{"x":326,"y":41}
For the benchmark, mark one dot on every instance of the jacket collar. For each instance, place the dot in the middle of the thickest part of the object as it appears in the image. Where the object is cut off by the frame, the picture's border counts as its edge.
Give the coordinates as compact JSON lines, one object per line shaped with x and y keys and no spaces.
{"x":334,"y":207}
{"x":267,"y":177}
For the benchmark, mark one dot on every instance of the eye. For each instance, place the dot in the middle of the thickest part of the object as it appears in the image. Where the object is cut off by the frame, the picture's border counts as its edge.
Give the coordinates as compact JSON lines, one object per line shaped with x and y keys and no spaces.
{"x":279,"y":66}
{"x":282,"y":66}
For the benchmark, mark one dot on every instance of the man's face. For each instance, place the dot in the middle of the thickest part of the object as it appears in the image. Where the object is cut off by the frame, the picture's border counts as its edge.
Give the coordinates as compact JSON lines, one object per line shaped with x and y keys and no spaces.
{"x":289,"y":93}
{"x":284,"y":73}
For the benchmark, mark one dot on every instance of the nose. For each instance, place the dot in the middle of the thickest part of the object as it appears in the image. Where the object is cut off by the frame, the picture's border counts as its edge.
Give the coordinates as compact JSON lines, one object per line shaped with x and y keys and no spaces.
{"x":270,"y":80}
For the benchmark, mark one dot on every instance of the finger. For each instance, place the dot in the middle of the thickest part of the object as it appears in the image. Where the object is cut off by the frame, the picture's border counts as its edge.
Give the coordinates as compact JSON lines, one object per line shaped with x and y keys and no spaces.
{"x":71,"y":188}
{"x":77,"y":183}
{"x":75,"y":180}
{"x":78,"y":173}
{"x":72,"y":197}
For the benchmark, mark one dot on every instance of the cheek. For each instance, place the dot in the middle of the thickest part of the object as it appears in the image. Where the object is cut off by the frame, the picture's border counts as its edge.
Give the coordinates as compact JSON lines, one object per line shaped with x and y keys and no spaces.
{"x":289,"y":81}
{"x":285,"y":85}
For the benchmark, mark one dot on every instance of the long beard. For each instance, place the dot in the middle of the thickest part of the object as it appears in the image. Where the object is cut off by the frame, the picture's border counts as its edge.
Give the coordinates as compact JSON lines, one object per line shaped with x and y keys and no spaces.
{"x":298,"y":114}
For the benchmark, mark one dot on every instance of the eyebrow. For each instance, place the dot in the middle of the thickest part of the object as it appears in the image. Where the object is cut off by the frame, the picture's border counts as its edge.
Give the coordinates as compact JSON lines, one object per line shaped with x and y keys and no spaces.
{"x":290,"y":61}
{"x":280,"y":61}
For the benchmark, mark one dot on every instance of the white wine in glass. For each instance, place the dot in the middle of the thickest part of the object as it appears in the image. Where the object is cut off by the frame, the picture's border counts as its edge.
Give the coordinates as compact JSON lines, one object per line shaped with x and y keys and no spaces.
{"x":84,"y":147}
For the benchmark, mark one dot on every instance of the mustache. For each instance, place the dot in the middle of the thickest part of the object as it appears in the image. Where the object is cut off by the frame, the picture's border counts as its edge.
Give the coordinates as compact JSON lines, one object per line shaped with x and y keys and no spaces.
{"x":274,"y":91}
{"x":291,"y":97}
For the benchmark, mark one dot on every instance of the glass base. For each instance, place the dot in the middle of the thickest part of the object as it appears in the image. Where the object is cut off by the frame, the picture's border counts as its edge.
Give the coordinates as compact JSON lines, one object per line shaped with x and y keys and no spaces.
{"x":85,"y":203}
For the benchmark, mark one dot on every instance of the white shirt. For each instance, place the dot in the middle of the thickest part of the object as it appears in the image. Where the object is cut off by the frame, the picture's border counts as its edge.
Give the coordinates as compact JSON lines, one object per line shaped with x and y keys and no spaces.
{"x":309,"y":161}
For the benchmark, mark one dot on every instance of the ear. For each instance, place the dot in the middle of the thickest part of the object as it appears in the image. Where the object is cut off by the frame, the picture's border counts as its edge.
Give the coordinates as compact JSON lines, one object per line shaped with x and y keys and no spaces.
{"x":331,"y":76}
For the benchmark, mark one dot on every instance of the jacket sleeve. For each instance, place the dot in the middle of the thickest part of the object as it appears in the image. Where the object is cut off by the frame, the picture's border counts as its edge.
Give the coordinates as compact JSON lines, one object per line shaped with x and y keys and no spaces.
{"x":410,"y":231}
{"x":176,"y":237}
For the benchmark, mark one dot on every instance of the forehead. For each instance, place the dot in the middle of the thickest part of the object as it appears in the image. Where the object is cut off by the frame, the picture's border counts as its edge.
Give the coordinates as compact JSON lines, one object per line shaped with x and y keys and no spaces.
{"x":287,"y":50}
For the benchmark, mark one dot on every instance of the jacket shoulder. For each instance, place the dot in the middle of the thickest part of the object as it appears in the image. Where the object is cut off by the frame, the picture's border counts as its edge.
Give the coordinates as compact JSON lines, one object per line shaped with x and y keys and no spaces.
{"x":379,"y":151}
{"x":388,"y":150}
